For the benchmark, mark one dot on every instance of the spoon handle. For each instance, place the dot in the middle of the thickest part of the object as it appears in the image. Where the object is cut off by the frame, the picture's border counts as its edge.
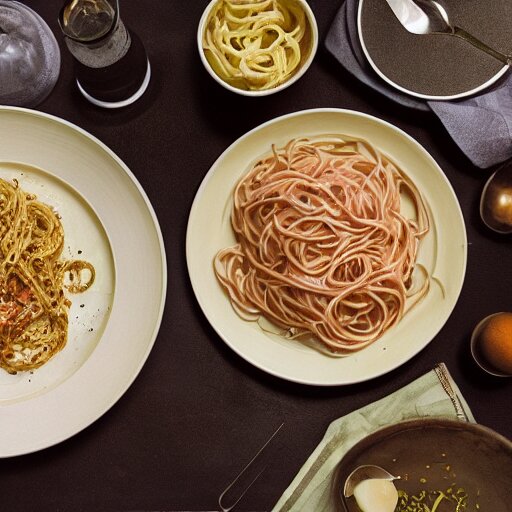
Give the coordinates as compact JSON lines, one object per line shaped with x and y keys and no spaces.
{"x":460,"y":32}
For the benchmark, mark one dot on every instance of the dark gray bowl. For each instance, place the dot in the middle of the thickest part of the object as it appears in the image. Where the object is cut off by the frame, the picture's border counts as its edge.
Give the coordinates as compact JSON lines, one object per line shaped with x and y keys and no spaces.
{"x":434,"y":454}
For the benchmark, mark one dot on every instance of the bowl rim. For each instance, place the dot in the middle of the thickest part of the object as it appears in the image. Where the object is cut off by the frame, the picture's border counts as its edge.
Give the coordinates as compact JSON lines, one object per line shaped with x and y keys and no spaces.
{"x":266,"y":92}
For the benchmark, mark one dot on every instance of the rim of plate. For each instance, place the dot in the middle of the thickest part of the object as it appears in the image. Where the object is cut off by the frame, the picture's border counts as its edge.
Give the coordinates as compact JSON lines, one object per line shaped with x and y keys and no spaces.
{"x":204,"y":184}
{"x":96,"y":413}
{"x":384,"y":77}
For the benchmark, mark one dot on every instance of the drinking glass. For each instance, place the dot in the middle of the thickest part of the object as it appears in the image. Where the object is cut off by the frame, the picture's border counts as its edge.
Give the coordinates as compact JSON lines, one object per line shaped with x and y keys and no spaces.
{"x":111,"y":65}
{"x":29,"y":56}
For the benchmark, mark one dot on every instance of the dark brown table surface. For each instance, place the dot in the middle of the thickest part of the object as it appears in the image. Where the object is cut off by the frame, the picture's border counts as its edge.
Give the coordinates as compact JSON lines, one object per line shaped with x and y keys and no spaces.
{"x":197,"y":412}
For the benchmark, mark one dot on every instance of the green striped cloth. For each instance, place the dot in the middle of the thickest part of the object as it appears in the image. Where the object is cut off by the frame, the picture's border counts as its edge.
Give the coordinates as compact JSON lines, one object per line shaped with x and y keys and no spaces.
{"x":433,"y":394}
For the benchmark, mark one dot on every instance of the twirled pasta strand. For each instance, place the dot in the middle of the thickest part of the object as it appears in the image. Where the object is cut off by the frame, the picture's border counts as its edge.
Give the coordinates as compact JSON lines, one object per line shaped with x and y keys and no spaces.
{"x":33,"y":307}
{"x":255,"y":44}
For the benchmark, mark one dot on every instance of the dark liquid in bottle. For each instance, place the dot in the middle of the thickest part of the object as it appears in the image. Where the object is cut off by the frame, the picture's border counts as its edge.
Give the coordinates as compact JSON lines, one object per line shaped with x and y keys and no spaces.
{"x":118,"y":81}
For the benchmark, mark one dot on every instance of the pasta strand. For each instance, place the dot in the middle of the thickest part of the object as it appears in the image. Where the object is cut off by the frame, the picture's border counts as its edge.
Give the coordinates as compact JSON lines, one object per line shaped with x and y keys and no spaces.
{"x":33,"y":306}
{"x":323,"y":250}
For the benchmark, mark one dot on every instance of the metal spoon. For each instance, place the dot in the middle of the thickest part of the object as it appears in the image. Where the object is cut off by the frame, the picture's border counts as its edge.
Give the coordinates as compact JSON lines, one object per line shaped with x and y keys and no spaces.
{"x":496,"y":200}
{"x":365,"y":473}
{"x":430,"y":17}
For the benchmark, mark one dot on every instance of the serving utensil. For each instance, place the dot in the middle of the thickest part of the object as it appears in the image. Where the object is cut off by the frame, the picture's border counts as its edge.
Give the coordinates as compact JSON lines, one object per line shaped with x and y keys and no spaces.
{"x":239,"y":486}
{"x":365,"y":472}
{"x":496,"y":200}
{"x":430,"y":17}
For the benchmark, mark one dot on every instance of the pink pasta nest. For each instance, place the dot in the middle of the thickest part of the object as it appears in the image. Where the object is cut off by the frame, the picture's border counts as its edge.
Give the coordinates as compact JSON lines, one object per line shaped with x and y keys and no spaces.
{"x":323,"y":249}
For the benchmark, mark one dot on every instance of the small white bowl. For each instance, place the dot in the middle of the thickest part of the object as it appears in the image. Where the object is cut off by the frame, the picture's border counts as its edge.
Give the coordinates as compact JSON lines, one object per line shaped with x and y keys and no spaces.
{"x":304,"y":67}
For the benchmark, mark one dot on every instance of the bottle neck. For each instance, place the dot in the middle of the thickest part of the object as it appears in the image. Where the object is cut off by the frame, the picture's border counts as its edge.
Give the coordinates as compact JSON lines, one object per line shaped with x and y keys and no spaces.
{"x":89,"y":21}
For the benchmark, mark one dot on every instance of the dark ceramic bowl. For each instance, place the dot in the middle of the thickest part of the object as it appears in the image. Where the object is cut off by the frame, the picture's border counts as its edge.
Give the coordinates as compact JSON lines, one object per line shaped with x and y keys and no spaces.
{"x":436,"y":454}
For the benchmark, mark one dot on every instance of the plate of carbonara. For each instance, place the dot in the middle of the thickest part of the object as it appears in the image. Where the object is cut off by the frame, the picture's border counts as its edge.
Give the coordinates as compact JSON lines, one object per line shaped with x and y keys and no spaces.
{"x":327,"y":262}
{"x":72,"y":297}
{"x":53,"y":310}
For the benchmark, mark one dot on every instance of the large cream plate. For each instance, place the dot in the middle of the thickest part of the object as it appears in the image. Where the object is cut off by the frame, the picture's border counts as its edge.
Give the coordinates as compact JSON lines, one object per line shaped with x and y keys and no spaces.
{"x":443,"y":252}
{"x":109,"y":221}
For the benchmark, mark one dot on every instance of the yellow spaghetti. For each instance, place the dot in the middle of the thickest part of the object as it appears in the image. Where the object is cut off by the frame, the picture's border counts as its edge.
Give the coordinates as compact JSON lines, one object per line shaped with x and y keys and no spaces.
{"x":256,"y":44}
{"x":33,"y":306}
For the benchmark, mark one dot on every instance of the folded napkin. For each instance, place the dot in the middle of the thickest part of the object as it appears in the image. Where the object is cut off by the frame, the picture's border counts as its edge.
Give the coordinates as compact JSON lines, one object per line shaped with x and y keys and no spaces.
{"x":480,"y":125}
{"x":433,"y":394}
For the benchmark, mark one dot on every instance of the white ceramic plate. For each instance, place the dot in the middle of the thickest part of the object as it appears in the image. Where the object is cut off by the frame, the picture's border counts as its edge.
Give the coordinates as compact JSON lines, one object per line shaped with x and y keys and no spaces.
{"x":443,"y":252}
{"x":108,"y":221}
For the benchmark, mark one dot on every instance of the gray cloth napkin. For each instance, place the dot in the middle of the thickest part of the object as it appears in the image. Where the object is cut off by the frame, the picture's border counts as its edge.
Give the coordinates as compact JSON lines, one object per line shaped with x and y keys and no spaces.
{"x":481,"y":125}
{"x":435,"y":394}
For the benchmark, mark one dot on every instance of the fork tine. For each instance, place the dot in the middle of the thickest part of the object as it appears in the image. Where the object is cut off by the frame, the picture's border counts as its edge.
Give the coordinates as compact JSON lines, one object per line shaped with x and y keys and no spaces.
{"x":233,"y":505}
{"x":248,"y":465}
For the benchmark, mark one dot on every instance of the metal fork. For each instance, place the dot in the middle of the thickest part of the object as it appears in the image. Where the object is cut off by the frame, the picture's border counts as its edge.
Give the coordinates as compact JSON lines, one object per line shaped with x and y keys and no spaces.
{"x":243,"y":491}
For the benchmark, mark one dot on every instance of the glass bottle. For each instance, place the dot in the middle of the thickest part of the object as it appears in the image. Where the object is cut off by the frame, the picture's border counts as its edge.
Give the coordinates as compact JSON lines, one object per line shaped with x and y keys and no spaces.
{"x":111,"y":65}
